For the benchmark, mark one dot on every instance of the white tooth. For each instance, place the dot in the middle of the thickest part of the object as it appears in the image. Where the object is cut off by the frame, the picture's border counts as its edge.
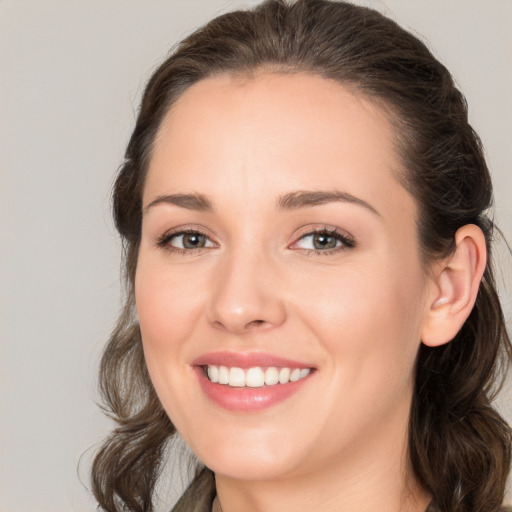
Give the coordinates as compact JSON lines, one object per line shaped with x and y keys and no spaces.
{"x":255,"y":378}
{"x":304,"y":373}
{"x":236,"y":377}
{"x":213,"y":373}
{"x":295,"y":374}
{"x":271,"y":376}
{"x":284,"y":375}
{"x":223,"y":375}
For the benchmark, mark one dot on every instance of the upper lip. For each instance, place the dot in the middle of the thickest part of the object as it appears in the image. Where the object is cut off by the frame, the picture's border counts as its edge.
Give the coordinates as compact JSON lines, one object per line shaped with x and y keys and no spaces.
{"x":247,"y":360}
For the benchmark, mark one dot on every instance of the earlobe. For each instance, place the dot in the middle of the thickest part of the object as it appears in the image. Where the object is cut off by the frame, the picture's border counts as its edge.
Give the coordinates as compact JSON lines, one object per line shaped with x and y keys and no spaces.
{"x":455,"y":286}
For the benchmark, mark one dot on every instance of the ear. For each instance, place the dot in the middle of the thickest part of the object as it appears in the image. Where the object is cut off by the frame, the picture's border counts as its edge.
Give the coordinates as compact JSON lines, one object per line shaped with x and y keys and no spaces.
{"x":454,"y":287}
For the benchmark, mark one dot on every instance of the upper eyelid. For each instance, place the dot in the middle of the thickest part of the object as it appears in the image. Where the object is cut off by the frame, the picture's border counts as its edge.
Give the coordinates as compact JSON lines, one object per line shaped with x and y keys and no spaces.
{"x":331,"y":230}
{"x":187,"y":229}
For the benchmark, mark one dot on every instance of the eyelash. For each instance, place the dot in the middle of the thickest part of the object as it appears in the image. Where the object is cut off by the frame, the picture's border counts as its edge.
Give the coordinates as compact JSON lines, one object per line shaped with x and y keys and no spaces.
{"x":163,"y":241}
{"x":347,"y":242}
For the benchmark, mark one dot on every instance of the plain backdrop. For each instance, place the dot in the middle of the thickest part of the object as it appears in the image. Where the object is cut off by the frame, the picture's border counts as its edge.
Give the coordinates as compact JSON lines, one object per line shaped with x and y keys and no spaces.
{"x":71,"y":73}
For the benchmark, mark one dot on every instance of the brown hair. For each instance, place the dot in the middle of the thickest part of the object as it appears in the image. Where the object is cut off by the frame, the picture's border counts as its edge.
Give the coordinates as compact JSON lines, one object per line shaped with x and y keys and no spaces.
{"x":459,"y":446}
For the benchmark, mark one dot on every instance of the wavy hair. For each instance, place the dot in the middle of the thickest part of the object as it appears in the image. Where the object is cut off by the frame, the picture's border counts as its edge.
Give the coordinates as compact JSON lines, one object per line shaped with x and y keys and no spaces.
{"x":459,"y":446}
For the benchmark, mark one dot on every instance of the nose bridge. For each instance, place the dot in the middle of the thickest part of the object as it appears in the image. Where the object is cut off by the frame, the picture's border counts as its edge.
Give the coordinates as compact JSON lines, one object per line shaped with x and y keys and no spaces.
{"x":245,"y":293}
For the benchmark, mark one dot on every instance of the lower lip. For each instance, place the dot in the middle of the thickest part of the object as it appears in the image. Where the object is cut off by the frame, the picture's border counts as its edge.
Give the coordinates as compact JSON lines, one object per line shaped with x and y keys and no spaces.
{"x":247,"y":399}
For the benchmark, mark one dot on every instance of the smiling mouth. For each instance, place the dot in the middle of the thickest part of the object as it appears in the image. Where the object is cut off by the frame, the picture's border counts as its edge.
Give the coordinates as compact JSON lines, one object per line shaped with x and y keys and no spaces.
{"x":255,"y":377}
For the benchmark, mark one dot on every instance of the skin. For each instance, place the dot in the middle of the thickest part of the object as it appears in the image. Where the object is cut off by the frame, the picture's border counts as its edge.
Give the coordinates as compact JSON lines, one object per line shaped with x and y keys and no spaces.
{"x":357,"y":315}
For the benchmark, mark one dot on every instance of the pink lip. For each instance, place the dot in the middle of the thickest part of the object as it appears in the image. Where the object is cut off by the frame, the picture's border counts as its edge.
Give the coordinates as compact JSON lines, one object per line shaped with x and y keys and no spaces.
{"x":247,"y":399}
{"x":247,"y":360}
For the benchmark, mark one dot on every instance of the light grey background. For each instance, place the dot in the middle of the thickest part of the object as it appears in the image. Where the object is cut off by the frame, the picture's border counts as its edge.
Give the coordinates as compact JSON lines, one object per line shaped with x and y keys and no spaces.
{"x":71,"y":72}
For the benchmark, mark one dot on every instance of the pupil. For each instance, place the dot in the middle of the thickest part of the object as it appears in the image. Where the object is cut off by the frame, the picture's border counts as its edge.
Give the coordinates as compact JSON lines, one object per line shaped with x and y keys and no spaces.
{"x":193,"y":240}
{"x":324,"y":242}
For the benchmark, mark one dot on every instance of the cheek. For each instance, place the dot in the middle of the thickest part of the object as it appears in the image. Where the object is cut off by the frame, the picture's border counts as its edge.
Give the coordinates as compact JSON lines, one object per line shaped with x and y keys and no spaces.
{"x":374,"y":310}
{"x":167,"y":306}
{"x":168,"y":311}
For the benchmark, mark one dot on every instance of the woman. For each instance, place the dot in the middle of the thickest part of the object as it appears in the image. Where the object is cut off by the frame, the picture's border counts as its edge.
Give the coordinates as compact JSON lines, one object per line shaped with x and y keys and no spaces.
{"x":310,"y":302}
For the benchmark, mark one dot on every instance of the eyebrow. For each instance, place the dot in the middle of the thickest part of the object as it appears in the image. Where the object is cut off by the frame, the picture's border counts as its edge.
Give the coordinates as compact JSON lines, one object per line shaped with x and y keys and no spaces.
{"x":290,"y":201}
{"x":305,"y":199}
{"x":197,"y":202}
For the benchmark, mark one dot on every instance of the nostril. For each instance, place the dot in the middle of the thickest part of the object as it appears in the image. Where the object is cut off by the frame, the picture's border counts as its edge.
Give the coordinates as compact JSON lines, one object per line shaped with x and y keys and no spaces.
{"x":218,"y":324}
{"x":242,"y":327}
{"x":256,"y":323}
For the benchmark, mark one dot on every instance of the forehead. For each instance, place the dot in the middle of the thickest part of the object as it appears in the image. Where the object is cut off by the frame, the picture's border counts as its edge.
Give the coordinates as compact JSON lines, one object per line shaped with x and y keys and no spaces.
{"x":276,"y":131}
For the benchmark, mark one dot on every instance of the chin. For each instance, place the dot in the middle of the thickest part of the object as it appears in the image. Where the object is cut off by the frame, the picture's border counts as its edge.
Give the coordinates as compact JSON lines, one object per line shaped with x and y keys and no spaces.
{"x":239,"y":458}
{"x":243,"y":468}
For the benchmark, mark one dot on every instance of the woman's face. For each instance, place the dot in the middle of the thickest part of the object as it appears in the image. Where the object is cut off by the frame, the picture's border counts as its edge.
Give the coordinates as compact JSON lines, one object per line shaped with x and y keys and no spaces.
{"x":278,"y":244}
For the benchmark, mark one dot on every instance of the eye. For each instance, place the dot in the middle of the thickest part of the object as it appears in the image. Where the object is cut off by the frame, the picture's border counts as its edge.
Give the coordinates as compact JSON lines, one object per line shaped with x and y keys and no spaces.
{"x":185,"y":240}
{"x":323,"y":240}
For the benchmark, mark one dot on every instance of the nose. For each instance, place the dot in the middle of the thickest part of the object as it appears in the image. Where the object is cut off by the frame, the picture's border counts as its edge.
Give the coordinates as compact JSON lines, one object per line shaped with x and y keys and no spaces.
{"x":246,"y":296}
